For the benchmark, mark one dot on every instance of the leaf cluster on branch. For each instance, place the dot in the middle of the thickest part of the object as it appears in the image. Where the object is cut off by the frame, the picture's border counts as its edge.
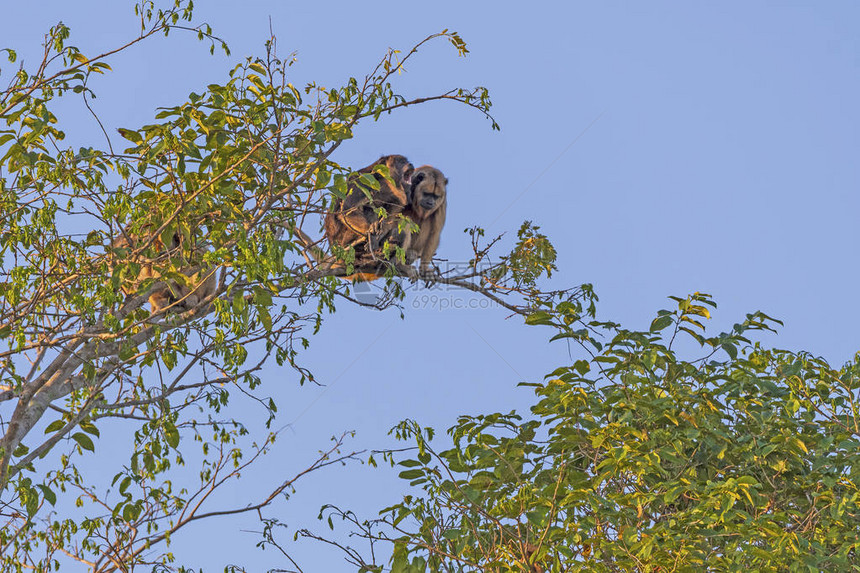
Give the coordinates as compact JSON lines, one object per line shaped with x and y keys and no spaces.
{"x":231,"y":183}
{"x":644,"y":456}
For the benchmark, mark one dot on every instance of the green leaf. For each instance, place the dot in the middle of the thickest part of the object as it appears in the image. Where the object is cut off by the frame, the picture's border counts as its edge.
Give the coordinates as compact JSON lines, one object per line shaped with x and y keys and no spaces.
{"x":55,"y":426}
{"x":265,"y":319}
{"x":131,"y":512}
{"x":48,"y":494}
{"x":262,"y":297}
{"x":149,"y":461}
{"x":90,"y":428}
{"x":539,"y":317}
{"x":339,"y":187}
{"x":672,"y":494}
{"x":661,"y":322}
{"x":171,"y":435}
{"x":537,"y":517}
{"x":369,"y":180}
{"x":84,"y":441}
{"x":411,"y":474}
{"x":123,"y":486}
{"x":130,"y":135}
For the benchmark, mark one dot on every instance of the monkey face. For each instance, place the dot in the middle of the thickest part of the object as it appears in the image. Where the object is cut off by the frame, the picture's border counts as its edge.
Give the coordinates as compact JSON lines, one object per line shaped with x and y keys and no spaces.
{"x":399,"y":168}
{"x":429,"y":202}
{"x":427,"y":191}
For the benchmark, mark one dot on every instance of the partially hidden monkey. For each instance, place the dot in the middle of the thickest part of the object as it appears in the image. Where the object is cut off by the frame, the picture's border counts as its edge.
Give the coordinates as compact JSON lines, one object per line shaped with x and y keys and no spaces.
{"x":200,"y":283}
{"x":427,"y":208}
{"x":355,"y":220}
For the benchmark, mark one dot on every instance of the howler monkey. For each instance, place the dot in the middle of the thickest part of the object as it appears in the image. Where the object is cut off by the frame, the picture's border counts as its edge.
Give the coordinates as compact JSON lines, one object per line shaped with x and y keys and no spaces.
{"x":355,"y":221}
{"x":427,"y":207}
{"x":151,"y":253}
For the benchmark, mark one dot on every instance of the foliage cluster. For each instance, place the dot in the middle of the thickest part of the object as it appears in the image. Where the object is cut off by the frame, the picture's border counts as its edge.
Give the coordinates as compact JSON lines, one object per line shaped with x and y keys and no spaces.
{"x":640,"y":458}
{"x":241,"y":174}
{"x":635,"y":457}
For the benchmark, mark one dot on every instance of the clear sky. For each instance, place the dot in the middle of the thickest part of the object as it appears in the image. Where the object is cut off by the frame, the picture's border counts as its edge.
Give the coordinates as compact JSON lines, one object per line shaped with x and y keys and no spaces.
{"x":664,"y":147}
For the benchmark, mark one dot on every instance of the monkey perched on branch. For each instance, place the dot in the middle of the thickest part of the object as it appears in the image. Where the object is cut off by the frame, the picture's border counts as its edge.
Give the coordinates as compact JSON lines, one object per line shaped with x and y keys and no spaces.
{"x":427,"y":208}
{"x":169,"y":294}
{"x":420,"y":195}
{"x":356,"y":221}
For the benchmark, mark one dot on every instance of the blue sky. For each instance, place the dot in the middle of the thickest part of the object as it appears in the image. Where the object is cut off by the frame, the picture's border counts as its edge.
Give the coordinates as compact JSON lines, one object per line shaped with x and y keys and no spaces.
{"x":664,"y":147}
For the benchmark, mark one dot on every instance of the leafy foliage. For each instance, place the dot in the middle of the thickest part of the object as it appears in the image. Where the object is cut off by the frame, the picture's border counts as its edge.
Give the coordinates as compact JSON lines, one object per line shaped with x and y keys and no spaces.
{"x":639,"y":456}
{"x":235,"y":181}
{"x":639,"y":459}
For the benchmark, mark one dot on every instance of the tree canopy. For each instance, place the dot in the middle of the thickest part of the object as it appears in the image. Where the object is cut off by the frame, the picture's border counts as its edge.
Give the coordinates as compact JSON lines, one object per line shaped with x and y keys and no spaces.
{"x":240,"y":174}
{"x":635,"y":456}
{"x":647,"y":456}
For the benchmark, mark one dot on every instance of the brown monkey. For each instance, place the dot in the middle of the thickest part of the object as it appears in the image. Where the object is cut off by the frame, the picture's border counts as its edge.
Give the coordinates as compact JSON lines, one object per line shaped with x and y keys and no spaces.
{"x":199,"y":283}
{"x":427,"y":207}
{"x":355,"y":222}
